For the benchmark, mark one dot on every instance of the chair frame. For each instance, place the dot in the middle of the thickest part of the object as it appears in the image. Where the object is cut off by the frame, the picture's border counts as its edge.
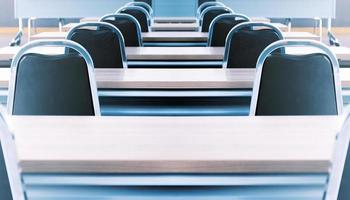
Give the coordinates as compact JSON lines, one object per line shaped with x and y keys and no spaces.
{"x":126,"y":16}
{"x":296,"y":43}
{"x":55,"y":43}
{"x":336,"y":170}
{"x":216,"y":19}
{"x":241,"y":26}
{"x":139,"y":3}
{"x":149,"y":18}
{"x":104,"y":25}
{"x":211,"y":3}
{"x":11,"y":162}
{"x":205,"y":11}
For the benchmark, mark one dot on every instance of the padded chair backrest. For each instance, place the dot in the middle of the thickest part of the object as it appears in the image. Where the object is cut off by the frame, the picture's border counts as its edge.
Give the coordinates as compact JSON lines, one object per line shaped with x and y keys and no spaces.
{"x":144,"y":5}
{"x":128,"y":26}
{"x":245,"y":43}
{"x":205,"y":5}
{"x":221,"y":26}
{"x":11,"y":186}
{"x":209,"y":14}
{"x":104,"y":43}
{"x":339,"y":178}
{"x":200,"y":2}
{"x":149,"y":2}
{"x":140,"y":14}
{"x":297,"y":84}
{"x":53,"y":84}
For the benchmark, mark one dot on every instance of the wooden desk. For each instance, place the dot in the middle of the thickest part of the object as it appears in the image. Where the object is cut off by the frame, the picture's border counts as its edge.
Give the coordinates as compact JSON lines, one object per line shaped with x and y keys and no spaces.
{"x":177,"y":53}
{"x":174,"y":20}
{"x":223,"y":157}
{"x":175,"y":27}
{"x":216,"y":145}
{"x":170,"y":79}
{"x":175,"y":36}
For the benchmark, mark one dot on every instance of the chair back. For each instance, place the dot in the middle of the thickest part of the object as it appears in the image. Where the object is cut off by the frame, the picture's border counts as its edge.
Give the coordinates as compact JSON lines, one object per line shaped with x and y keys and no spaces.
{"x":221,"y":26}
{"x":144,"y":5}
{"x":204,"y":5}
{"x":60,"y":84}
{"x":210,"y":13}
{"x":128,"y":26}
{"x":246,"y":41}
{"x":288,"y":84}
{"x":103,"y":41}
{"x":140,"y":14}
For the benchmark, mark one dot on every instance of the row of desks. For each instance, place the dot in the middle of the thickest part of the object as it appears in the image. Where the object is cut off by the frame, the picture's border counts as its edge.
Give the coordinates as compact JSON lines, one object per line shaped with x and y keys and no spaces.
{"x":174,"y":53}
{"x":176,"y":36}
{"x":174,"y":78}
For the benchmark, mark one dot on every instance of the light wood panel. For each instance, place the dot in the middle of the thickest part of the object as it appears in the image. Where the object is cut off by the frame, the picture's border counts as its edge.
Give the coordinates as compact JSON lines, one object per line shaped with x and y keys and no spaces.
{"x":175,"y":144}
{"x":174,"y":78}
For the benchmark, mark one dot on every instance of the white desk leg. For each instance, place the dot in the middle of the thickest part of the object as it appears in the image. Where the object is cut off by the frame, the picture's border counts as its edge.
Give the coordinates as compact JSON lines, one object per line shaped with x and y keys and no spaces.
{"x":289,"y":23}
{"x":20,"y":25}
{"x":329,"y":25}
{"x":60,"y":24}
{"x":321,"y":29}
{"x":29,"y":28}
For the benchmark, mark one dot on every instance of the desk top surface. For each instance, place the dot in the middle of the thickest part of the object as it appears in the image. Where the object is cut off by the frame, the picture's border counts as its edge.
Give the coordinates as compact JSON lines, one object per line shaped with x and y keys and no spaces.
{"x":175,"y":144}
{"x":175,"y":53}
{"x":174,"y":78}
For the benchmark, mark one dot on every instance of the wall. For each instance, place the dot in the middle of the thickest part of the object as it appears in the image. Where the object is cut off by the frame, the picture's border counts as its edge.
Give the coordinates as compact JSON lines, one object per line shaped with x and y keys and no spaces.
{"x":7,"y":13}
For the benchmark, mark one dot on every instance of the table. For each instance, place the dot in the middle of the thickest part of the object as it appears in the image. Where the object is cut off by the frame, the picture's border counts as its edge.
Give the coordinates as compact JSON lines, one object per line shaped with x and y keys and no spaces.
{"x":169,"y":79}
{"x":168,"y":157}
{"x":175,"y":36}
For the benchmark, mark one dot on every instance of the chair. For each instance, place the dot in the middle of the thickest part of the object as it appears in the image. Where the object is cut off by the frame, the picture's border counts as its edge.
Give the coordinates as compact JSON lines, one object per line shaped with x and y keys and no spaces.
{"x":297,"y":84}
{"x":246,"y":41}
{"x":53,"y":84}
{"x":103,"y":41}
{"x":209,"y":15}
{"x":144,"y":5}
{"x":221,"y":26}
{"x":339,"y":177}
{"x":204,"y":5}
{"x":149,"y":2}
{"x":128,"y":26}
{"x":11,"y":186}
{"x":140,"y":14}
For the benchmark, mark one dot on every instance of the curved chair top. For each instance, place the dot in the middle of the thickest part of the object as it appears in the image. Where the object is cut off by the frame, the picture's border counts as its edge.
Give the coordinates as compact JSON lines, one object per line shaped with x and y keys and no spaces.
{"x":212,"y":8}
{"x":223,"y":16}
{"x":296,"y":43}
{"x":125,"y":16}
{"x":143,"y":5}
{"x":243,"y":26}
{"x":139,"y":8}
{"x":54,"y":43}
{"x":107,"y":26}
{"x":202,"y":7}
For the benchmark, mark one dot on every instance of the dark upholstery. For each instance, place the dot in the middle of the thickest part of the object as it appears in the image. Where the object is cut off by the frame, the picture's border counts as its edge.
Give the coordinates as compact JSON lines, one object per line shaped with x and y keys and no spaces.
{"x":297,"y":85}
{"x":102,"y":45}
{"x":200,"y":2}
{"x":128,"y":29}
{"x":145,"y":7}
{"x":149,"y":2}
{"x":140,"y":16}
{"x":5,"y":189}
{"x":247,"y":45}
{"x":221,"y":29}
{"x":52,"y":85}
{"x":210,"y":16}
